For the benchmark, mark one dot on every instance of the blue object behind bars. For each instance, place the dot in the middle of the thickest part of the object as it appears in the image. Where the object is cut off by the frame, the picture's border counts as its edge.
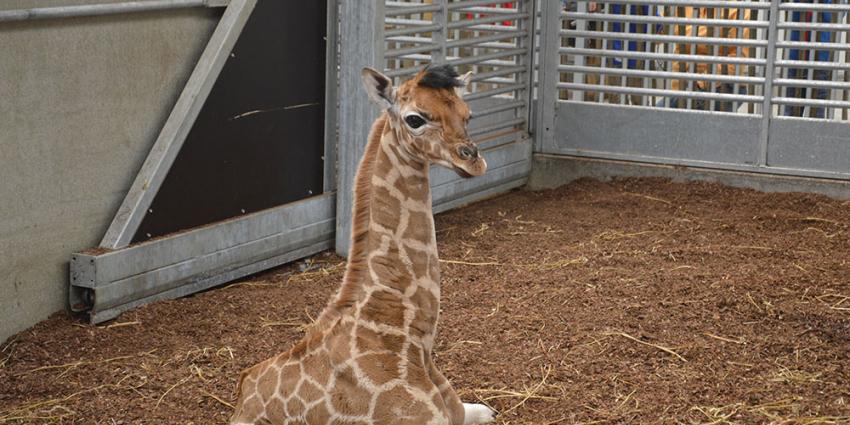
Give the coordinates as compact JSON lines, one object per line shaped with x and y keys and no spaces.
{"x":823,"y":36}
{"x":802,"y":54}
{"x":617,"y":9}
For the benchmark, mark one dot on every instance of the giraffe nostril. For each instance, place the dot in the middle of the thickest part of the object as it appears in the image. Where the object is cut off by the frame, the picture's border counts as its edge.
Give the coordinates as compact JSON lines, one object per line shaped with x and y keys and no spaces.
{"x":468,"y":151}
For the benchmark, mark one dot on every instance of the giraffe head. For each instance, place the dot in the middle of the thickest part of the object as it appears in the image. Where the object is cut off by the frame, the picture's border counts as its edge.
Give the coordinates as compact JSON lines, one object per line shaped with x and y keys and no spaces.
{"x":429,"y":117}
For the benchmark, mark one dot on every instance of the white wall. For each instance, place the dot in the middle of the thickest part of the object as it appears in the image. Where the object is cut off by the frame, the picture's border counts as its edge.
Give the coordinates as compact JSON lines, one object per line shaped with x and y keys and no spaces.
{"x":81,"y":102}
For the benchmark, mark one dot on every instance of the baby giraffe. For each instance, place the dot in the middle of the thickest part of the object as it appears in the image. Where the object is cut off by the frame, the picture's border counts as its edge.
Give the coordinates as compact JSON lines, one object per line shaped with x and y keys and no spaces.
{"x":368,"y":358}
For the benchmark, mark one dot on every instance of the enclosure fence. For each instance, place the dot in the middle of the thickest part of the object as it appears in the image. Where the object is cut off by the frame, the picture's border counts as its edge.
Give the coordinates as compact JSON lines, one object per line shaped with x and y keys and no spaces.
{"x":742,"y":85}
{"x":709,"y":56}
{"x":770,"y":79}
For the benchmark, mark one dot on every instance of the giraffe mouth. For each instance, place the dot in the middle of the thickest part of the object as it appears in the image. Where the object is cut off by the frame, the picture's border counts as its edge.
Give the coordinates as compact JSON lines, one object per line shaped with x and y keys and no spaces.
{"x":469,"y":162}
{"x":463,"y":173}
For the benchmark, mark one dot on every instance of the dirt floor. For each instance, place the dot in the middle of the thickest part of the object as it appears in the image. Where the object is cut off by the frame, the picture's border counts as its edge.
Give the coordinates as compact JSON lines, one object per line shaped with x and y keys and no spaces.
{"x":638,"y":301}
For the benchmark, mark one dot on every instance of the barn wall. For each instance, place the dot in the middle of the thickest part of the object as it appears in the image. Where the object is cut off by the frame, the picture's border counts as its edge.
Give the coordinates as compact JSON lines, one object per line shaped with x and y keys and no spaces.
{"x":81,"y":102}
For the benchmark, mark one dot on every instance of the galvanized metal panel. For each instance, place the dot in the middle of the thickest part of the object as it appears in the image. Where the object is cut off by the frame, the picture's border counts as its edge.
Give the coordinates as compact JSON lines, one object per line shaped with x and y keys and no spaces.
{"x":176,"y":265}
{"x":656,"y":133}
{"x":206,"y":282}
{"x":150,"y":282}
{"x":809,"y":145}
{"x":548,"y":60}
{"x":159,"y":253}
{"x":361,"y":44}
{"x":481,"y":193}
{"x":552,"y":171}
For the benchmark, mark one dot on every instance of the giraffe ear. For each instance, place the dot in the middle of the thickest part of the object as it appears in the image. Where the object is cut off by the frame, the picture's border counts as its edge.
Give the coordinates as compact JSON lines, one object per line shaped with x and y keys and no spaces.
{"x":464,"y":80}
{"x":379,"y":87}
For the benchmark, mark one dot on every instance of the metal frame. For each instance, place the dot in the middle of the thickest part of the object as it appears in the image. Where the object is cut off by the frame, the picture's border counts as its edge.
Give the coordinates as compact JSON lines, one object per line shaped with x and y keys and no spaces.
{"x":767,"y":106}
{"x":547,"y":89}
{"x":88,"y":10}
{"x":177,"y":127}
{"x":117,"y":276}
{"x":104,"y":284}
{"x":331,"y":96}
{"x":361,"y":42}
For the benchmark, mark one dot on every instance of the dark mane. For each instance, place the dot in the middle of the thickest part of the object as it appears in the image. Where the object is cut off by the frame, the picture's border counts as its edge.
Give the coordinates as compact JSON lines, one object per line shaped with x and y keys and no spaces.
{"x":440,"y":77}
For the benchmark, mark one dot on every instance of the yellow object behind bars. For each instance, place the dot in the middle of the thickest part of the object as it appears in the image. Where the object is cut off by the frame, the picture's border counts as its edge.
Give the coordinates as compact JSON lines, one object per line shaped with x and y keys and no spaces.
{"x":705,"y":49}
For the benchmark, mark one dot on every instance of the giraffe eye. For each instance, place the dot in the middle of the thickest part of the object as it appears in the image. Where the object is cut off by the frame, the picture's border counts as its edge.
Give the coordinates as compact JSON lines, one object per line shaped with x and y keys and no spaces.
{"x":414,"y":121}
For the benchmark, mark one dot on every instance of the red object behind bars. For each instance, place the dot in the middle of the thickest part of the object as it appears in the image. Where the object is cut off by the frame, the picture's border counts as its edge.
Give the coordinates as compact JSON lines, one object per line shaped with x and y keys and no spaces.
{"x":508,"y":5}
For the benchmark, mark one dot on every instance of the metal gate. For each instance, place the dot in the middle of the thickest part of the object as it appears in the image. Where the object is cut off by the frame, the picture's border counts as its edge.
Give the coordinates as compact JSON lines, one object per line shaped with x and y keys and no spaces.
{"x":492,"y":39}
{"x":756,"y":85}
{"x":751,"y":85}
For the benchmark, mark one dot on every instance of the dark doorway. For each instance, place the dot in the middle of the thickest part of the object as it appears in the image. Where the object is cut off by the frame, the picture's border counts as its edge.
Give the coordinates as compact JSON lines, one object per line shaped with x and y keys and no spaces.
{"x":259,"y":139}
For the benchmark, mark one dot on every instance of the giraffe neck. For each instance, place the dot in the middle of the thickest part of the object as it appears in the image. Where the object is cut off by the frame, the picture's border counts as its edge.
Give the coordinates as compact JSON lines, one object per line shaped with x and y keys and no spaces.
{"x":402,"y":287}
{"x":400,"y":204}
{"x":392,"y":276}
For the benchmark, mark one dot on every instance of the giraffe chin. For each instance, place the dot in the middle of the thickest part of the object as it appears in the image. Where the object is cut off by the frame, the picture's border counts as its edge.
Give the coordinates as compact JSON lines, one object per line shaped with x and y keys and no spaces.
{"x":461,"y":172}
{"x":477,"y":169}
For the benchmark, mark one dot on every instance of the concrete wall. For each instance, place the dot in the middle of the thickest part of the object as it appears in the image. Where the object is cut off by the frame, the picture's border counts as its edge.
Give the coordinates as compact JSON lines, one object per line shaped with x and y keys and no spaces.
{"x":81,"y":103}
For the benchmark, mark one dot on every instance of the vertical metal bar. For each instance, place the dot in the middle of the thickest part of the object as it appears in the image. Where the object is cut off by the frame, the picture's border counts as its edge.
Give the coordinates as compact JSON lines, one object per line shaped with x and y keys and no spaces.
{"x":361,"y":45}
{"x":581,"y":25}
{"x":668,"y":48}
{"x":647,"y":82}
{"x":741,"y":52}
{"x":783,"y":72}
{"x":603,"y":61}
{"x":440,"y":37}
{"x":760,"y":53}
{"x":693,"y":50}
{"x":624,"y":62}
{"x":475,"y":52}
{"x":548,"y":75}
{"x":769,"y":68}
{"x":841,"y":57}
{"x":395,"y":62}
{"x":527,"y":59}
{"x":833,"y":75}
{"x":716,"y":32}
{"x":331,"y":95}
{"x":812,"y":56}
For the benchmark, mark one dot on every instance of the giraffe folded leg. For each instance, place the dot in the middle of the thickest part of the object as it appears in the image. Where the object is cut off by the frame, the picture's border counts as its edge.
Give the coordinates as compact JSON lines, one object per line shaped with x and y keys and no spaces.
{"x":477,"y":414}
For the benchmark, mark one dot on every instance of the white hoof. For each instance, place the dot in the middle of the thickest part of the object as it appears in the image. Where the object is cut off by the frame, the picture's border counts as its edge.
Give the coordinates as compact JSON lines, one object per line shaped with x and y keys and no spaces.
{"x":477,"y":414}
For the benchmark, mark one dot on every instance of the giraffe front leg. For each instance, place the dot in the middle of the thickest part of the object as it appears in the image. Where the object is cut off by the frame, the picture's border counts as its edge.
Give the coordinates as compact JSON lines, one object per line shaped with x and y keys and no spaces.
{"x":460,"y":413}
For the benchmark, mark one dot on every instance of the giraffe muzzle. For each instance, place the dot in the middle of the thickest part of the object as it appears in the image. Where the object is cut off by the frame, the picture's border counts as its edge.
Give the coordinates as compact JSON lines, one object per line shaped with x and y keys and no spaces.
{"x":467,"y":152}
